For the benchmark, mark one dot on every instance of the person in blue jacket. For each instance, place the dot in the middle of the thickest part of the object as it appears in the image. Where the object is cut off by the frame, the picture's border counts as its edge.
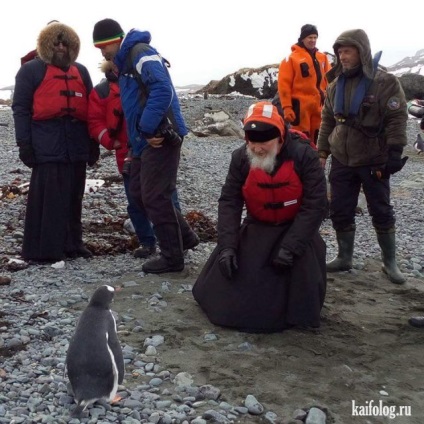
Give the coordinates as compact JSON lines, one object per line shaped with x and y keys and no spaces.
{"x":156,"y":129}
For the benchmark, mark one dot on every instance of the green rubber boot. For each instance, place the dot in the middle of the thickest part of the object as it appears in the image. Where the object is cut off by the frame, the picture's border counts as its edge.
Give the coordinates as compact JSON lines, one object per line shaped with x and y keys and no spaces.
{"x":387,"y":242}
{"x":343,"y":260}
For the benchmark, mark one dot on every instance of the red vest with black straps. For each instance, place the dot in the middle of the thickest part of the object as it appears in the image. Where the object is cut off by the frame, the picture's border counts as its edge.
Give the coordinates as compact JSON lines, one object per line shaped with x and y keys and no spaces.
{"x":273,"y":198}
{"x":59,"y":94}
{"x":114,"y":113}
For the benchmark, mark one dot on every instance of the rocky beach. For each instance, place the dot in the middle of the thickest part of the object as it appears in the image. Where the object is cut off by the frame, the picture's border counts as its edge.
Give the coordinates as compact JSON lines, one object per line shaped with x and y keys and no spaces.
{"x":179,"y":367}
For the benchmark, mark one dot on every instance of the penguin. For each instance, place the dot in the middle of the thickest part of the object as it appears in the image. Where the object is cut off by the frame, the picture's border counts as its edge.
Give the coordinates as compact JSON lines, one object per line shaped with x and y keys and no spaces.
{"x":94,"y":359}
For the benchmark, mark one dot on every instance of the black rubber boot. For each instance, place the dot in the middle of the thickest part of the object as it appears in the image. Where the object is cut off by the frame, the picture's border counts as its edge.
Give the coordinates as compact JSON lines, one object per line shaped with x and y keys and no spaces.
{"x":387,"y":242}
{"x":417,"y":322}
{"x":190,"y":238}
{"x":343,"y":261}
{"x":171,"y":258}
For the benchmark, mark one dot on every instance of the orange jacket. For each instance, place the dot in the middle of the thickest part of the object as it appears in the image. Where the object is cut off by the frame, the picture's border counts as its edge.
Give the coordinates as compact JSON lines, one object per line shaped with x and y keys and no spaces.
{"x":297,"y":77}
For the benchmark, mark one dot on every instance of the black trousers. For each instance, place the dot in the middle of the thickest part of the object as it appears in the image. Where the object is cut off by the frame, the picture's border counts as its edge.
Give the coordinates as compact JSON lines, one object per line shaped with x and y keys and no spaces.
{"x":346,"y":184}
{"x":153,"y":181}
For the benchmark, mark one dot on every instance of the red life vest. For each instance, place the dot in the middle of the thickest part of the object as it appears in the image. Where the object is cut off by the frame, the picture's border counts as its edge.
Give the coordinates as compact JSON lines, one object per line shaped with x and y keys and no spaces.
{"x":59,"y":94}
{"x":273,"y":199}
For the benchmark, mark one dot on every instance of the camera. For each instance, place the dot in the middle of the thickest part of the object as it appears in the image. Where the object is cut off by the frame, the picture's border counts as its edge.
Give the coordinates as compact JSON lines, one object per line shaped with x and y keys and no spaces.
{"x":170,"y":135}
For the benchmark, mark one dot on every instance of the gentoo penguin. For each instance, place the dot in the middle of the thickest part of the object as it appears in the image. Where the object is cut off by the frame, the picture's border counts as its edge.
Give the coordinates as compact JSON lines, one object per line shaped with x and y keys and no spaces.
{"x":94,"y":359}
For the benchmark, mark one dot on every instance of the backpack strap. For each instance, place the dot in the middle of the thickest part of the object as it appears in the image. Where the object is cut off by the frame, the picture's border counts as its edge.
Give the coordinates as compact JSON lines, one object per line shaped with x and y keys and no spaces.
{"x":168,"y":120}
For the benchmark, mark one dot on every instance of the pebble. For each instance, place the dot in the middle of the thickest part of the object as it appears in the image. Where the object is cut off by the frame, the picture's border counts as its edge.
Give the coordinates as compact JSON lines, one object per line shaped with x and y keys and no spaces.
{"x":33,"y":388}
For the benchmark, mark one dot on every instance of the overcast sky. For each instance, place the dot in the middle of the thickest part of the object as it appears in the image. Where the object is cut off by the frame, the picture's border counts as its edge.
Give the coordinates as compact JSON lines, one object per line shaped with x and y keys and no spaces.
{"x":207,"y":40}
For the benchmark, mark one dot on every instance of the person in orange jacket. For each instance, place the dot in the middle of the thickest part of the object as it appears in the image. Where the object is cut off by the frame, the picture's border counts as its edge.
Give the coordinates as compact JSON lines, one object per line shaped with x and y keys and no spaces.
{"x":302,"y":83}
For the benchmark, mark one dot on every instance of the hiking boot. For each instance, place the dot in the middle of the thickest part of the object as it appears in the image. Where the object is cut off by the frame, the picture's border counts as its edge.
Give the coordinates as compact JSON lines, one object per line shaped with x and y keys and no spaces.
{"x":191,"y":242}
{"x":171,"y":258}
{"x":143,"y":251}
{"x":161,"y":265}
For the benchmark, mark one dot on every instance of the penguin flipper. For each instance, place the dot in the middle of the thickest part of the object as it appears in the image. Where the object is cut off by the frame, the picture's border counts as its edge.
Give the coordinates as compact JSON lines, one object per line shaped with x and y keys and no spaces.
{"x":116,"y":349}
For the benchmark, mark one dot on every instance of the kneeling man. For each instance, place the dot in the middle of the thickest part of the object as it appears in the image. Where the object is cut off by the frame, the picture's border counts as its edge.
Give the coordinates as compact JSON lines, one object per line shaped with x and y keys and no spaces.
{"x":267,"y":272}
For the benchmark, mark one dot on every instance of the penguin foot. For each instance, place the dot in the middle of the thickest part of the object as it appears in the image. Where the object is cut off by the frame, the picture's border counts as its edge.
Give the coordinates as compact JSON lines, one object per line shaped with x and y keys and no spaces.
{"x":116,"y":399}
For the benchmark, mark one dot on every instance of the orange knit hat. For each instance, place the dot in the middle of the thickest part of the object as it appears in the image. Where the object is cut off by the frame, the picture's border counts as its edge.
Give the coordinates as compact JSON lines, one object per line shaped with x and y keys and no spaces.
{"x":263,"y":123}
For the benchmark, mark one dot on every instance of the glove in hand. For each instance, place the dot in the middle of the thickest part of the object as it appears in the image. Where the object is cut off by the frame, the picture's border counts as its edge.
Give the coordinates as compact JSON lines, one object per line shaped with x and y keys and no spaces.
{"x":395,"y":162}
{"x":289,"y":114}
{"x":93,"y":152}
{"x":284,"y":258}
{"x":27,"y":155}
{"x":227,"y":262}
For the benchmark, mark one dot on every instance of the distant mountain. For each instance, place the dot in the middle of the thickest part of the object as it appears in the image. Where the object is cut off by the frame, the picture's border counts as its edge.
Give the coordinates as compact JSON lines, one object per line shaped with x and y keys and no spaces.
{"x":262,"y":82}
{"x":191,"y":88}
{"x":409,"y":65}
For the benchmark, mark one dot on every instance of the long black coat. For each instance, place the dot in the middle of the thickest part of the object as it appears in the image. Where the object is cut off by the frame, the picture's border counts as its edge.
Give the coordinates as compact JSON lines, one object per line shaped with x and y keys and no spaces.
{"x":261,"y":298}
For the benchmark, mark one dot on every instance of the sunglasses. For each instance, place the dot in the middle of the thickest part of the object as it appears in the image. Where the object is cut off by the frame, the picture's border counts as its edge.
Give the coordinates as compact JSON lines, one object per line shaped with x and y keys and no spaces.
{"x":64,"y":43}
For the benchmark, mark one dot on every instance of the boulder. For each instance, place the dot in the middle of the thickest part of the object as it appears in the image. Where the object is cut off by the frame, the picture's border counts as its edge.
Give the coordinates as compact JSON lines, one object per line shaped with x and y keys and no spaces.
{"x":257,"y":82}
{"x":218,"y":122}
{"x":413,"y":86}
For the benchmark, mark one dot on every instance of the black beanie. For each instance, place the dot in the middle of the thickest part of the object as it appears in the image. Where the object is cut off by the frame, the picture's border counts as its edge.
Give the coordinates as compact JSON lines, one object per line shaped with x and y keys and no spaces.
{"x":306,"y":30}
{"x":107,"y":32}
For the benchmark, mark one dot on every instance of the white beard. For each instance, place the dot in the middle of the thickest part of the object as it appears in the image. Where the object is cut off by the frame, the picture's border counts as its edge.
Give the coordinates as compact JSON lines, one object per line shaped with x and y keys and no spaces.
{"x":266,"y":163}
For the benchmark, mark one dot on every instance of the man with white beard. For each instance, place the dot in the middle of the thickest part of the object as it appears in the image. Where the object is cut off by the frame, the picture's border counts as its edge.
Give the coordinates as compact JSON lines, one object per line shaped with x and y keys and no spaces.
{"x":268,"y":274}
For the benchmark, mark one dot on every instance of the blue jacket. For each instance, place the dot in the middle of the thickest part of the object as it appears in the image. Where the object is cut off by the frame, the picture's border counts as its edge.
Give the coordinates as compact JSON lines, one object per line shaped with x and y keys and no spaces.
{"x":146,"y":109}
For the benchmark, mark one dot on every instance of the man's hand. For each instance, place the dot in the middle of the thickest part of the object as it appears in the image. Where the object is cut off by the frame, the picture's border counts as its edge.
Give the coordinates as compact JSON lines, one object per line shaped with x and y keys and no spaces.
{"x":93,"y":152}
{"x":155,"y":142}
{"x":284,"y":258}
{"x":26,"y":155}
{"x":289,"y":114}
{"x":395,"y":162}
{"x":227,"y":262}
{"x":116,"y":145}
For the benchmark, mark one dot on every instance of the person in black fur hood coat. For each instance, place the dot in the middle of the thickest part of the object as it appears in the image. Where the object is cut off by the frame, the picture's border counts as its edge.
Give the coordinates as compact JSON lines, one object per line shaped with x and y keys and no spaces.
{"x":50,"y":107}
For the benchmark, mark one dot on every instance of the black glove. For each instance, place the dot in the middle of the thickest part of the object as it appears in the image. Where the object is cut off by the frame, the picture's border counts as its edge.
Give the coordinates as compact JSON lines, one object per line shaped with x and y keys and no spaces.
{"x":93,"y":152}
{"x":395,"y":162}
{"x":27,"y":155}
{"x":284,"y":258}
{"x":227,"y":262}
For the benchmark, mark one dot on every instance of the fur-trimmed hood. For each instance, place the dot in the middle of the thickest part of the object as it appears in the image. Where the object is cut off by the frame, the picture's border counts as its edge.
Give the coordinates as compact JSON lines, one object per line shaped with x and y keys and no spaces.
{"x":54,"y":32}
{"x":359,"y":39}
{"x":106,"y":66}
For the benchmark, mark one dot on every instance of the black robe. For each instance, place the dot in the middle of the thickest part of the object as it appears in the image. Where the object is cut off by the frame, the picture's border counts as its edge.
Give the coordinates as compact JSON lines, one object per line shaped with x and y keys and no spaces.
{"x":260,"y":297}
{"x":53,"y":225}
